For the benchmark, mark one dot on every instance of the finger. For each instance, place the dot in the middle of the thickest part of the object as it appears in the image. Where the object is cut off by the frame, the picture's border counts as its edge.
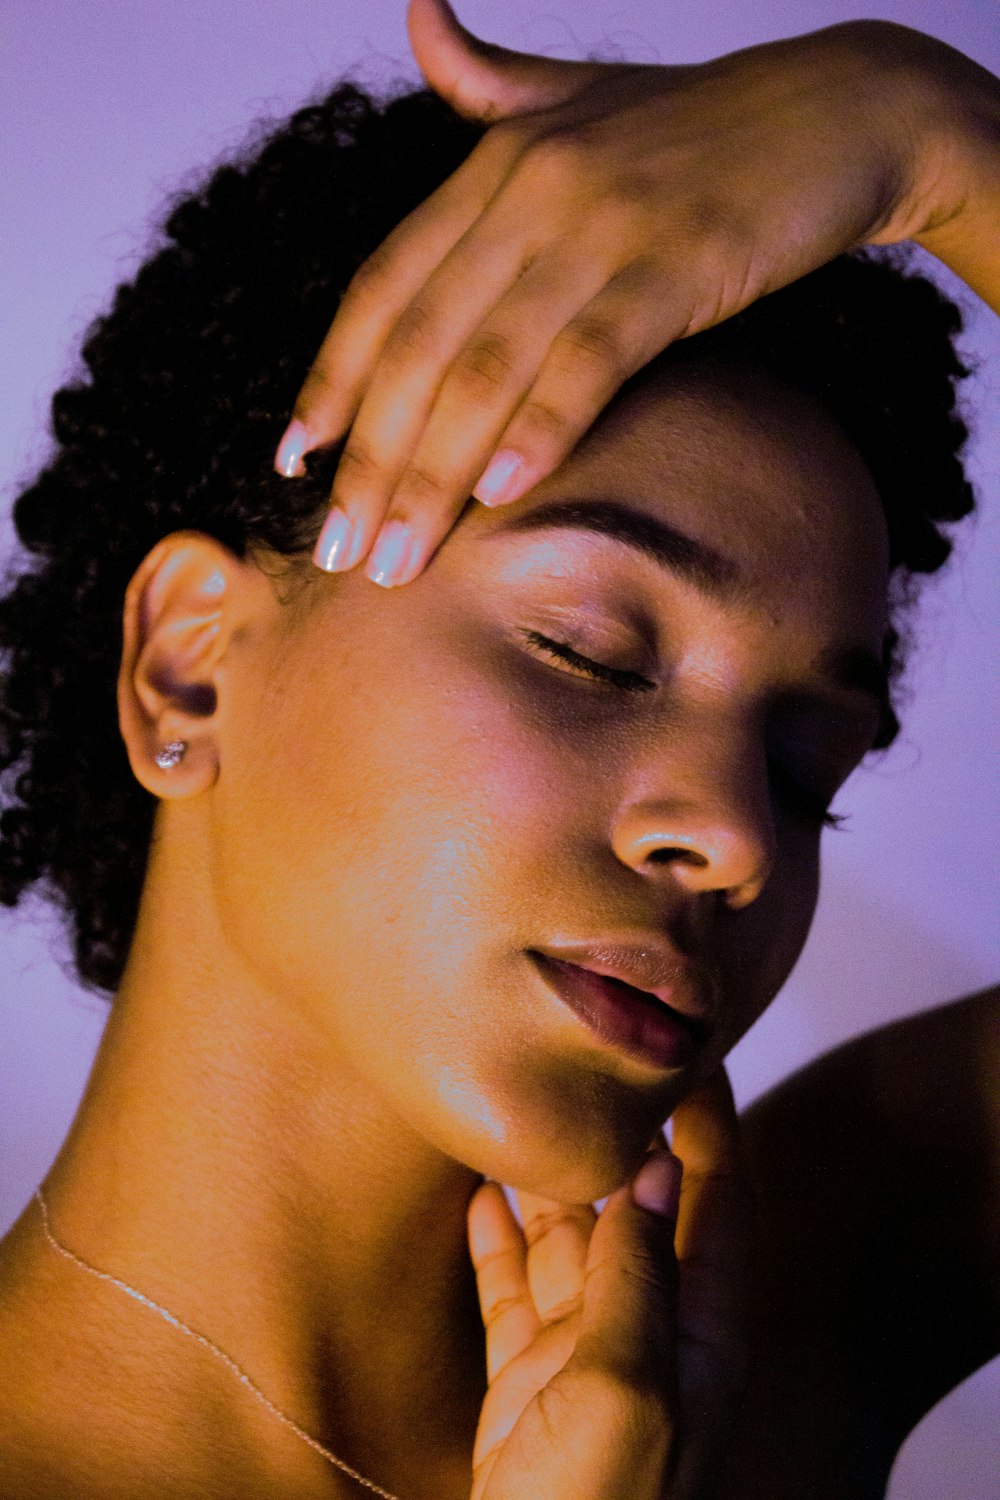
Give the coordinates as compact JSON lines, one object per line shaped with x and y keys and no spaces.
{"x":558,"y":1238}
{"x":712,"y":1228}
{"x":630,"y":1292}
{"x":713,"y":1244}
{"x":382,"y":287}
{"x":496,"y":253}
{"x":414,"y":356}
{"x":632,"y":319}
{"x":480,"y":391}
{"x":499,"y":1255}
{"x":483,"y":81}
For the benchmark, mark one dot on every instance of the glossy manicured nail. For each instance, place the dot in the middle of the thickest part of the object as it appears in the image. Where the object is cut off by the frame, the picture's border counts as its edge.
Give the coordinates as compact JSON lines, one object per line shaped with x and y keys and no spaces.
{"x":499,"y":483}
{"x":288,"y":459}
{"x":391,"y":555}
{"x":334,"y":552}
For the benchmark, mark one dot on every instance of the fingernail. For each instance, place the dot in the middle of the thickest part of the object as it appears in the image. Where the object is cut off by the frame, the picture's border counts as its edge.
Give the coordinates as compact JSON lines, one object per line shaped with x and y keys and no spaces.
{"x":333,"y":552}
{"x":390,"y":558}
{"x":498,"y":482}
{"x":288,"y":459}
{"x":657,"y":1185}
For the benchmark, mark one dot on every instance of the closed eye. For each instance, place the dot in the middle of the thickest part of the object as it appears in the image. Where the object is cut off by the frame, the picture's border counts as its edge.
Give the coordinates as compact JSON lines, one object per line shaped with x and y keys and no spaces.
{"x":800,"y":800}
{"x":597,"y":671}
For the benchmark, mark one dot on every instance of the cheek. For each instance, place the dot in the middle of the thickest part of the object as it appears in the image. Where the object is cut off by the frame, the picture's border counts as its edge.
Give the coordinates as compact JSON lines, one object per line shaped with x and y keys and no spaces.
{"x":383,"y":867}
{"x":382,"y":827}
{"x":761,"y":944}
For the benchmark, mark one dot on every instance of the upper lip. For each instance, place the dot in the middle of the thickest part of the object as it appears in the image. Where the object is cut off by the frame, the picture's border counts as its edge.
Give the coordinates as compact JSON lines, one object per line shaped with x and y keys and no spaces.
{"x":684,"y":984}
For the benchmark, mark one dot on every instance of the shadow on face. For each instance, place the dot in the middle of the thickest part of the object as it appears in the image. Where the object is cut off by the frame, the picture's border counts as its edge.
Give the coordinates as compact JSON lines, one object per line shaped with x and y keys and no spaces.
{"x":602,"y":729}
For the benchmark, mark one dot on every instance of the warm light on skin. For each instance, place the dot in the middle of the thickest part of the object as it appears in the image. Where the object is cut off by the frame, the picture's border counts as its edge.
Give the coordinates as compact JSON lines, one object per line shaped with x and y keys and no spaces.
{"x":329,"y":1030}
{"x":440,"y":799}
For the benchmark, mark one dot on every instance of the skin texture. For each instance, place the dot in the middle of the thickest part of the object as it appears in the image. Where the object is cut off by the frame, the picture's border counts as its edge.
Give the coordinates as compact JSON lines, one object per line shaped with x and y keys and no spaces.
{"x":328,"y":1032}
{"x":611,"y":209}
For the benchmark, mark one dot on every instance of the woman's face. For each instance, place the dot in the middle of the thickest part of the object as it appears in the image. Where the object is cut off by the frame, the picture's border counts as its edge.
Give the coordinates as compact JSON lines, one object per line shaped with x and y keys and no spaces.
{"x":426,"y":795}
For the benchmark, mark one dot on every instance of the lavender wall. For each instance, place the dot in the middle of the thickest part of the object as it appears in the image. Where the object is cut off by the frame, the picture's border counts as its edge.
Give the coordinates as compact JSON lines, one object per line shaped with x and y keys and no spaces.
{"x":105,"y":108}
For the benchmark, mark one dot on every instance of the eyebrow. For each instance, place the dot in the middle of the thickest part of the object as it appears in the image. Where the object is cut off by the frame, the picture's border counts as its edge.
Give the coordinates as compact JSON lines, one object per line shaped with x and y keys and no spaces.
{"x":854,"y":668}
{"x":684,"y":555}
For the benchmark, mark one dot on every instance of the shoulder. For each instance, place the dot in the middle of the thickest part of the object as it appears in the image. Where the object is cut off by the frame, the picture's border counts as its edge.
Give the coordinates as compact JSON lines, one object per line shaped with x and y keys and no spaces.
{"x":877,"y":1172}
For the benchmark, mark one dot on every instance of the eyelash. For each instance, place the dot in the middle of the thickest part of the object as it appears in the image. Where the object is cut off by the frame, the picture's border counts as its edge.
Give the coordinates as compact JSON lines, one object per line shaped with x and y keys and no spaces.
{"x":631,"y":682}
{"x":797,"y":796}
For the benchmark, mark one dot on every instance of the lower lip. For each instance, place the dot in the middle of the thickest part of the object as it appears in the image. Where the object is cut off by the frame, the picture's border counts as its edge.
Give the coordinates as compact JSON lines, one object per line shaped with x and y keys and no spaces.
{"x":645,"y":1028}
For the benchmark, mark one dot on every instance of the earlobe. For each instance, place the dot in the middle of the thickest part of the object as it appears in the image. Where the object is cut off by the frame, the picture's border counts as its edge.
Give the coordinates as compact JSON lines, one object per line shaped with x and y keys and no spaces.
{"x":181,"y":610}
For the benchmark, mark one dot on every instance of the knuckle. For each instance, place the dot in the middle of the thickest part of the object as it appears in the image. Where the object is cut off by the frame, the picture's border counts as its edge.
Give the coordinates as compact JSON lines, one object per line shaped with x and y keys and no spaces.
{"x":598,"y":342}
{"x":548,"y":1221}
{"x":485,"y":366}
{"x":645,"y":1270}
{"x":372,"y":274}
{"x":621,"y":213}
{"x":712,"y":226}
{"x":567,"y":1307}
{"x":558,"y":158}
{"x":358,"y":465}
{"x":706,"y":219}
{"x":499,"y":1310}
{"x":543,"y":427}
{"x":634,"y":190}
{"x":412,"y":340}
{"x":420,"y":488}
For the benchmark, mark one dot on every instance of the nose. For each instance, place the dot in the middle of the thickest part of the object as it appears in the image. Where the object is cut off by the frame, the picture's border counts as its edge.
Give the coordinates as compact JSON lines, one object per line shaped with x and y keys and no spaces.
{"x":702,"y":820}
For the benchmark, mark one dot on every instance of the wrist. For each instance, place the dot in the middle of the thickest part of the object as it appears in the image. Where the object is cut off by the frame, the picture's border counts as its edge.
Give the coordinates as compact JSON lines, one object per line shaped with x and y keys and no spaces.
{"x":942,"y":113}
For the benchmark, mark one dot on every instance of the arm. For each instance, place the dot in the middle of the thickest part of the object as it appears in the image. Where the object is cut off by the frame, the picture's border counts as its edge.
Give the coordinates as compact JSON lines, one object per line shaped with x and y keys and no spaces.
{"x":611,"y":209}
{"x":877,"y":1171}
{"x":959,"y":210}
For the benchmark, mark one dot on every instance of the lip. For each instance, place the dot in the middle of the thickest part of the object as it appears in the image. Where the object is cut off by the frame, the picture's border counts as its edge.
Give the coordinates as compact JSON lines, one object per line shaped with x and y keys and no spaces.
{"x":653,"y":966}
{"x":662,"y":1022}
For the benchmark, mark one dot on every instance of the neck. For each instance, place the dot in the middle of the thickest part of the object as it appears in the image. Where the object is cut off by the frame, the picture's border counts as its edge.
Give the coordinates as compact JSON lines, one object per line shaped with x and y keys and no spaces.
{"x":228,"y":1165}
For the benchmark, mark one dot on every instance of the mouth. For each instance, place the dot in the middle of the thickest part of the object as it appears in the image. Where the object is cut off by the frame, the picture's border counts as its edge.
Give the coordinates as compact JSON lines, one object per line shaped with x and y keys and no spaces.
{"x":637,"y":1021}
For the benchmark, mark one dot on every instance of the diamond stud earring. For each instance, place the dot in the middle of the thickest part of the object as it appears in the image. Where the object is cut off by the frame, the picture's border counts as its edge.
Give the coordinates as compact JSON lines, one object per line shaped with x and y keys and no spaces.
{"x":171,"y":755}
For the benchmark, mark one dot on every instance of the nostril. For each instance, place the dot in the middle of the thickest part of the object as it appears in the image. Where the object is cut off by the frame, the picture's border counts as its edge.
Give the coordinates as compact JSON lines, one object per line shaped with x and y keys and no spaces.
{"x":671,"y":854}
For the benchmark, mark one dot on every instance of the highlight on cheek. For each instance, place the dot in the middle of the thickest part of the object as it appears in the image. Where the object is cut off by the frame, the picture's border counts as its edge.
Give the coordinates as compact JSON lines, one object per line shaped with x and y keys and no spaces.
{"x":484,"y":874}
{"x":462,"y":1098}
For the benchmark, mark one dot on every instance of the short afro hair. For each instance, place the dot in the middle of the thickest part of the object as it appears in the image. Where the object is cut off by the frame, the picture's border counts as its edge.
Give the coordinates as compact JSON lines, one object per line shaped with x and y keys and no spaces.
{"x":184,"y":389}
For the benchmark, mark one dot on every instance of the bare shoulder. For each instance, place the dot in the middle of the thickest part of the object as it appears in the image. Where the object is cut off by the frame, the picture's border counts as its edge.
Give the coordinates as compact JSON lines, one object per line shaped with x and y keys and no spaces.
{"x":30,"y":1396}
{"x":877,"y":1171}
{"x":70,"y":1386}
{"x":94,"y":1409}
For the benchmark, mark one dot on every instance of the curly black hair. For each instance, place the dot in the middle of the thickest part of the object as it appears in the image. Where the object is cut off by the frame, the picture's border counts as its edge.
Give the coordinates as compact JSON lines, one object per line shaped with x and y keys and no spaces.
{"x":187,"y":382}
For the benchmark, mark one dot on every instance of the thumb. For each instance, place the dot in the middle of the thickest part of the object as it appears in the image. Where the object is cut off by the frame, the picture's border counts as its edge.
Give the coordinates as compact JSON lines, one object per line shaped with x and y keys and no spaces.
{"x":630,"y":1279}
{"x":480,"y":80}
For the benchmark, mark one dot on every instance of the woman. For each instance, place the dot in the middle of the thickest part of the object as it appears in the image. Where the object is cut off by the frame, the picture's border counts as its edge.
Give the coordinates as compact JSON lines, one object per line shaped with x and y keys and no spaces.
{"x":395,"y":835}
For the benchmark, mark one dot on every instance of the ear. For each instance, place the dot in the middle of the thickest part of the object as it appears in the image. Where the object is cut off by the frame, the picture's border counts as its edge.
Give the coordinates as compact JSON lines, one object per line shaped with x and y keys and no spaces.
{"x":188,"y":603}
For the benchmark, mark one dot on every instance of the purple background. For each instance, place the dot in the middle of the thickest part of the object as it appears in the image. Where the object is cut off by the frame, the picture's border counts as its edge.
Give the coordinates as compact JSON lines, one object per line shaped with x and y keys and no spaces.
{"x":105,"y":109}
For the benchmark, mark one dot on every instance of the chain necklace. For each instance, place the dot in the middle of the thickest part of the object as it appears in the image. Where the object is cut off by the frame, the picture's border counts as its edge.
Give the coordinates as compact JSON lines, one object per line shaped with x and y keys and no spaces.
{"x":206,"y":1343}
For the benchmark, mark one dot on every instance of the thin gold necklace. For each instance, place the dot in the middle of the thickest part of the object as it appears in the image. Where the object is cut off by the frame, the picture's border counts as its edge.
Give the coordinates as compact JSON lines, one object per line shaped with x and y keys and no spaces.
{"x":206,"y":1343}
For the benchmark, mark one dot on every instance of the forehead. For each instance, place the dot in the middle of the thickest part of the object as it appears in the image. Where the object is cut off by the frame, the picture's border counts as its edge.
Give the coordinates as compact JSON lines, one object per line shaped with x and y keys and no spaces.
{"x":759,"y":474}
